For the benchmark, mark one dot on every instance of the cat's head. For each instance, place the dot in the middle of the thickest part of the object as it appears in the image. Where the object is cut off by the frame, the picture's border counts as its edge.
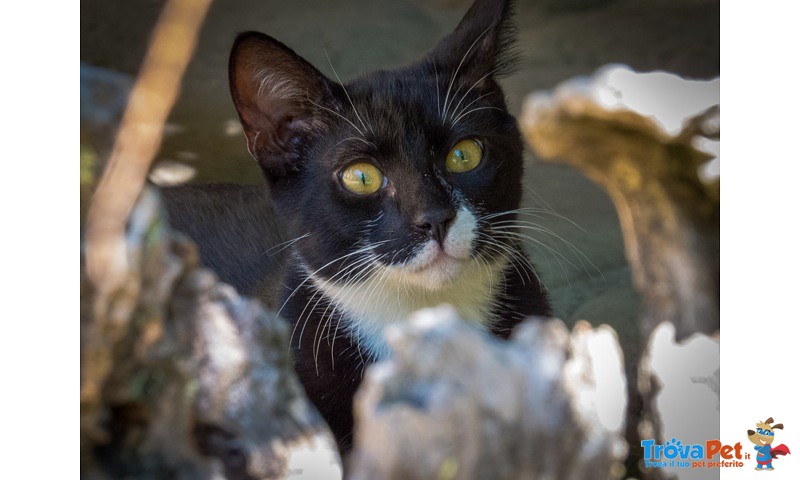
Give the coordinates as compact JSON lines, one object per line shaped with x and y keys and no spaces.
{"x":408,"y":171}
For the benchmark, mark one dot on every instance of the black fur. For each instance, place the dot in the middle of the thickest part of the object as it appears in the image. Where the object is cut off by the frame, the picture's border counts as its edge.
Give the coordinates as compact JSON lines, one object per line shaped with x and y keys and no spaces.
{"x":303,"y":129}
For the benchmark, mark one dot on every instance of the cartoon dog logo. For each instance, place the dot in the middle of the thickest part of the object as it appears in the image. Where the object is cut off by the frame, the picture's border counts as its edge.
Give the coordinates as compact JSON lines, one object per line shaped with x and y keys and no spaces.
{"x":763,"y":437}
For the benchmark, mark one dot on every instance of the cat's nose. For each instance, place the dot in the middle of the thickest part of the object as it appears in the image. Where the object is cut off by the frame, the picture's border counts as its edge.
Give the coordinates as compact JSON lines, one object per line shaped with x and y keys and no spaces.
{"x":435,"y":223}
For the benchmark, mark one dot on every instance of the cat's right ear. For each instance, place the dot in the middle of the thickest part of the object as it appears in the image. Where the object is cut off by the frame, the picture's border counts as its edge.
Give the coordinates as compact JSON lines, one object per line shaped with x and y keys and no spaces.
{"x":275,"y":92}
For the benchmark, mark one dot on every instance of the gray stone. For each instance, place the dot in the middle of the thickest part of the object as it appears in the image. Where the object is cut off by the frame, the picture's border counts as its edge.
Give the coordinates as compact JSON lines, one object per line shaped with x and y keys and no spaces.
{"x":182,"y":378}
{"x":454,"y":402}
{"x":652,"y":141}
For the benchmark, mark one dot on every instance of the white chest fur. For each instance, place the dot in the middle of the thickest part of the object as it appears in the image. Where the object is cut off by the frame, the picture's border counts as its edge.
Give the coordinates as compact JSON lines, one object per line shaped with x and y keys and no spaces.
{"x":388,"y":297}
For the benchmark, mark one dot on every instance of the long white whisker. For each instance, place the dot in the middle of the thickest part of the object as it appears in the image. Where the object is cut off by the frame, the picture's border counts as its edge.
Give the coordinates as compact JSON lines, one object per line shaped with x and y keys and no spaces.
{"x":345,"y":91}
{"x":518,"y":235}
{"x":368,"y":259}
{"x":455,"y":74}
{"x":320,"y":292}
{"x":489,"y":242}
{"x":549,"y":209}
{"x":348,"y":286}
{"x":436,"y":76}
{"x":535,"y":213}
{"x":311,"y":275}
{"x":471,"y":88}
{"x":473,"y":111}
{"x":337,"y":114}
{"x":285,"y":244}
{"x":354,"y":280}
{"x":538,"y":228}
{"x":469,"y":104}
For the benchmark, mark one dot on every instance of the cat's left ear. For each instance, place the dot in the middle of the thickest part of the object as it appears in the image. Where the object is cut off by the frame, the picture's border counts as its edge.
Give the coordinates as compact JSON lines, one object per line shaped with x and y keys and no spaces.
{"x":276,"y":93}
{"x":481,"y":45}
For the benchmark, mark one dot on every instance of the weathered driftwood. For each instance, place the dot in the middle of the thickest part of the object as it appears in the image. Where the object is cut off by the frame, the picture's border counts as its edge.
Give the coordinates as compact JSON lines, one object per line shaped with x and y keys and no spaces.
{"x":681,"y":383}
{"x":454,"y":402}
{"x":181,"y":378}
{"x":138,"y":139}
{"x":652,"y":141}
{"x":647,"y":139}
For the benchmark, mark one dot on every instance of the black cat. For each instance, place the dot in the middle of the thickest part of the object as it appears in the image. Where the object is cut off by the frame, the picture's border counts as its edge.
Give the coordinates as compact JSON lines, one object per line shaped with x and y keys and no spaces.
{"x":395,"y":192}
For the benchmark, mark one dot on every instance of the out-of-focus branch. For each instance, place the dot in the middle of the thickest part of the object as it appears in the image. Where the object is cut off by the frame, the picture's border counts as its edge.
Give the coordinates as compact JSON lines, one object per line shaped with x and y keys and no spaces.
{"x":139,"y":138}
{"x":651,"y":140}
{"x":453,"y":403}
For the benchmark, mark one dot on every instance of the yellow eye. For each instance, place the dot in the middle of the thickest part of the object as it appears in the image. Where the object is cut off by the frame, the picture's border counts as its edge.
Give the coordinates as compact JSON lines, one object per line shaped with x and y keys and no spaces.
{"x":362,"y":178}
{"x":465,"y":156}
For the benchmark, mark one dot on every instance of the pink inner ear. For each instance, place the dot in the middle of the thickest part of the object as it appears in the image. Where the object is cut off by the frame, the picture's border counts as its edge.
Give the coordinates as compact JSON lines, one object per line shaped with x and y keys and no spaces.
{"x":275,"y":92}
{"x":274,"y":84}
{"x":265,"y":126}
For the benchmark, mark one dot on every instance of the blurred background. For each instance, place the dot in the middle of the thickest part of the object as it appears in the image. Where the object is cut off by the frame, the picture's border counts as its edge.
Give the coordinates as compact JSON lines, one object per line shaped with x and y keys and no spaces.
{"x":583,"y":264}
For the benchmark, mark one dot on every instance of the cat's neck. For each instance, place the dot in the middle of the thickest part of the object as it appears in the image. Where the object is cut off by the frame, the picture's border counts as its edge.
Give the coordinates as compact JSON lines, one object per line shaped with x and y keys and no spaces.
{"x":368,"y":306}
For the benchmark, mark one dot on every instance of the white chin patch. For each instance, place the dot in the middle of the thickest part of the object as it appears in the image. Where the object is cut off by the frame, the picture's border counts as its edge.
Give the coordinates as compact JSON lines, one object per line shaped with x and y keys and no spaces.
{"x":434,"y":266}
{"x":435,"y":275}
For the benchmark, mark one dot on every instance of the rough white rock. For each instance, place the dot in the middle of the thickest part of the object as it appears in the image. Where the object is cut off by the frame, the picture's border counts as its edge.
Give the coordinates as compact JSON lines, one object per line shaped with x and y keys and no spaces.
{"x":686,"y":402}
{"x":454,"y":402}
{"x":182,"y":378}
{"x":660,"y":104}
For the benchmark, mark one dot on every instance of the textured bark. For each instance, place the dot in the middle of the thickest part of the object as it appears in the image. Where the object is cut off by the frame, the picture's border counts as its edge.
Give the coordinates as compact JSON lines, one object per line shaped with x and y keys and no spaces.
{"x":652,"y":141}
{"x":645,"y":138}
{"x":680,"y":382}
{"x":454,"y":402}
{"x":181,"y":378}
{"x":139,"y":138}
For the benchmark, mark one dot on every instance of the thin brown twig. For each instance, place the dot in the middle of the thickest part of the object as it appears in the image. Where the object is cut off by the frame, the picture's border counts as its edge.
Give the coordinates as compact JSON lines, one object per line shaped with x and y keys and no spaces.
{"x":139,"y":139}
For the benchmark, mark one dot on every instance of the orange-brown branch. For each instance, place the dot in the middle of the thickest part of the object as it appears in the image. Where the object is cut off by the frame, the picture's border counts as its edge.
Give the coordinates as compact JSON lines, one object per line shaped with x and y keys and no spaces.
{"x":139,"y":138}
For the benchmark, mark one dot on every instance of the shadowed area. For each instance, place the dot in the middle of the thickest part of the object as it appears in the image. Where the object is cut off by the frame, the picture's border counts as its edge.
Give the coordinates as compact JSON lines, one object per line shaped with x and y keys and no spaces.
{"x":587,"y":279}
